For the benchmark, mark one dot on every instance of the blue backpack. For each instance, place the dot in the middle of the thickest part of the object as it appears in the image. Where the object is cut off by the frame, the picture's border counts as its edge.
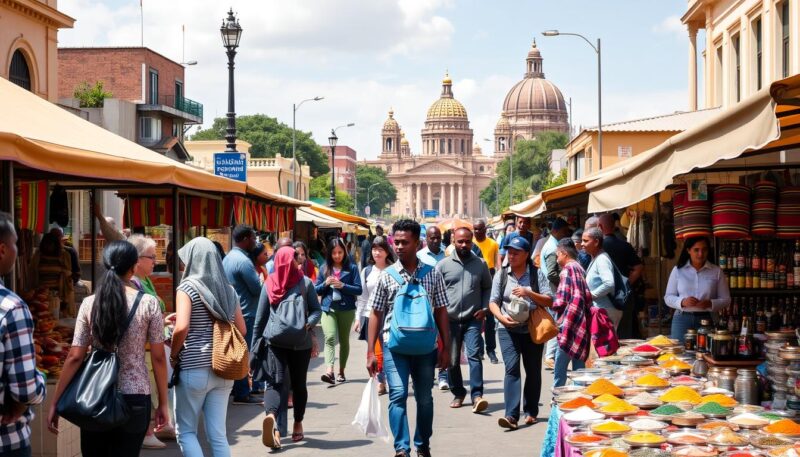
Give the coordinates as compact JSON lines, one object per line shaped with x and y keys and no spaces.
{"x":412,"y":329}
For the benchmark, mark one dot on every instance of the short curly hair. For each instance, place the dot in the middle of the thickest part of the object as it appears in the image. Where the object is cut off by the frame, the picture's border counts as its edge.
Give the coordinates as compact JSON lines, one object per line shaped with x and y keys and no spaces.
{"x":407,"y":225}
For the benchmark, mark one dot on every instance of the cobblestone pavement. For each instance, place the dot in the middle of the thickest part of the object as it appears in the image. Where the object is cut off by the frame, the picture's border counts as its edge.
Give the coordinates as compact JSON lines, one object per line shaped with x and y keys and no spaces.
{"x":456,"y":432}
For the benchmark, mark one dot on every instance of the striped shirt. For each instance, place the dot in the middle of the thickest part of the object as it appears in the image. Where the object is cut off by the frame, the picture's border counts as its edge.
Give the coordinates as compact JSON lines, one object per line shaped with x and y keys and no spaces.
{"x":20,"y":381}
{"x":197,"y":348}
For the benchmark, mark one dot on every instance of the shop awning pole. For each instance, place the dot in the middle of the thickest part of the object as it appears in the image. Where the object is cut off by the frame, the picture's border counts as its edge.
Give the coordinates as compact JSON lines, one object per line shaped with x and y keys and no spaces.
{"x":7,"y":205}
{"x":659,"y":259}
{"x":92,"y":205}
{"x":174,"y":241}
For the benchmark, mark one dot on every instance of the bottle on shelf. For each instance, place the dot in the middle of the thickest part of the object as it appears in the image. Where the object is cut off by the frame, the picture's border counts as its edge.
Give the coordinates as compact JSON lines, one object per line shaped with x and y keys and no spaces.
{"x":796,"y":264}
{"x":741,"y":255}
{"x":761,"y":321}
{"x":722,"y":260}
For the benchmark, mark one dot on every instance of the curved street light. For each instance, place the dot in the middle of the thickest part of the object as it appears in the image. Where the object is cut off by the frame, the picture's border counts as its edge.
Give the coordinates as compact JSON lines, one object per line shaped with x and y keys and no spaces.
{"x":596,"y":49}
{"x":332,"y":140}
{"x":296,"y":107}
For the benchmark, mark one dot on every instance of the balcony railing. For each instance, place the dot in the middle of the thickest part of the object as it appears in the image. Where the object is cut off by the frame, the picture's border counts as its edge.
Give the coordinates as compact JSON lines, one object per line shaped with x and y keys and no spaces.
{"x":184,"y":104}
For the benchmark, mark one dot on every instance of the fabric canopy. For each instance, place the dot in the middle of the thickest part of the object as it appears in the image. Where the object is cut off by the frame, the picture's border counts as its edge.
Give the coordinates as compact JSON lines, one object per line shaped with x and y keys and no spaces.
{"x":340,"y":215}
{"x":320,"y":220}
{"x":529,"y":208}
{"x":750,"y":125}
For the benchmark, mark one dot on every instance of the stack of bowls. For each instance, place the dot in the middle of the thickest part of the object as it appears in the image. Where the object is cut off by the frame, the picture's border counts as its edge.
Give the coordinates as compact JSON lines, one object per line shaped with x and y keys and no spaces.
{"x":777,"y":365}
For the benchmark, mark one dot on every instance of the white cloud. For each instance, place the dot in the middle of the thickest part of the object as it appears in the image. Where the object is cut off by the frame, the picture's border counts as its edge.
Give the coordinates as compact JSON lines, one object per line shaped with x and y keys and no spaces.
{"x":671,"y":25}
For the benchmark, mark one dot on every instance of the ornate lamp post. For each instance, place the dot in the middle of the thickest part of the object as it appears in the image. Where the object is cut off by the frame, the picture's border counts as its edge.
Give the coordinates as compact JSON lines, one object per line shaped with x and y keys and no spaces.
{"x":332,"y":141}
{"x":231,"y":33}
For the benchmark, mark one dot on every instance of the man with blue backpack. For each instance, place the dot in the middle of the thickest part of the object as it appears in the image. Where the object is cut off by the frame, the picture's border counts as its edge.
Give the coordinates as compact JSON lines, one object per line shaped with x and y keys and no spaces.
{"x":409,"y":310}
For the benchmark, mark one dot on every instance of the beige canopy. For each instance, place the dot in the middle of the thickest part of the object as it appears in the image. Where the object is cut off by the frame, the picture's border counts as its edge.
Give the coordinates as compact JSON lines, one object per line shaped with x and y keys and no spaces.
{"x":752,"y":124}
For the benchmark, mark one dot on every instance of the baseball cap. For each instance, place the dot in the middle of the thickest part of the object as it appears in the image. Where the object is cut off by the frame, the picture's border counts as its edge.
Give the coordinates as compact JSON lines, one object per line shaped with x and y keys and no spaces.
{"x":519,"y":243}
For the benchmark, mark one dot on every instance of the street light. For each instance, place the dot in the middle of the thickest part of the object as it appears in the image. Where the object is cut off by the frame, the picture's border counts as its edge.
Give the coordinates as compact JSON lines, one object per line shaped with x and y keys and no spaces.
{"x":296,"y":107}
{"x":332,"y":140}
{"x":599,"y":90}
{"x":231,"y":33}
{"x":369,"y":200}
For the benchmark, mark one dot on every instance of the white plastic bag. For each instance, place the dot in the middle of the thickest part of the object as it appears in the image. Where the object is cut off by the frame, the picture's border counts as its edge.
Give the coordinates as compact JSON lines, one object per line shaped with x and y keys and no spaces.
{"x":368,"y":418}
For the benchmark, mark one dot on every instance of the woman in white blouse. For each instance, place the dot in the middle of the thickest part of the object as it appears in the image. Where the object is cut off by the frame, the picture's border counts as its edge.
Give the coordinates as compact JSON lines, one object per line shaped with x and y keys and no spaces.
{"x":696,"y":288}
{"x":382,"y":257}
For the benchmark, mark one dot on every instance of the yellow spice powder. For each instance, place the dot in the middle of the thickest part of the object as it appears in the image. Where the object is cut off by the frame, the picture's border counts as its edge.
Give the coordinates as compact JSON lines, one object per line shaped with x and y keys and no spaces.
{"x":681,"y":394}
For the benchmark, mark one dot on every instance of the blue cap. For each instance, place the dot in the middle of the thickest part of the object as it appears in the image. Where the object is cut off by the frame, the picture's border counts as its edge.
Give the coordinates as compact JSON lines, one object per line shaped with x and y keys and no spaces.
{"x":518,"y":242}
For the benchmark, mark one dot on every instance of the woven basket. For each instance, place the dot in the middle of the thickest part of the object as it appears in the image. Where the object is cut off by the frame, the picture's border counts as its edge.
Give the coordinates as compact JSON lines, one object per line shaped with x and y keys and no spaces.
{"x":229,"y":355}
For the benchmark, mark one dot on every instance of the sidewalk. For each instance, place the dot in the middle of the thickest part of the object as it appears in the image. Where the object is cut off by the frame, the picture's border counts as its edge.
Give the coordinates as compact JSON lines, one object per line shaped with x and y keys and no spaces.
{"x":456,"y":432}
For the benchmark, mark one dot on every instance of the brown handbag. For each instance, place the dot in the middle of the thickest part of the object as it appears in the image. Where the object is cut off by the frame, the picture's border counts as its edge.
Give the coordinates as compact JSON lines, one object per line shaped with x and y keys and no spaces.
{"x":230,"y":358}
{"x":541,"y":325}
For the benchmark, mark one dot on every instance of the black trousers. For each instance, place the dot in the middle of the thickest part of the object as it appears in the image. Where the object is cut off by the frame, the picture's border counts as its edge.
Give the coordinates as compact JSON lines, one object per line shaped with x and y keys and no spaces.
{"x":295,"y":365}
{"x":125,"y":440}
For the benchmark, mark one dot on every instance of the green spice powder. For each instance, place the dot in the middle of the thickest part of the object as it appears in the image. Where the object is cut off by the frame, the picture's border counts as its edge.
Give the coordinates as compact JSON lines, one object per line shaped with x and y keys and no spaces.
{"x":712,"y":407}
{"x":667,"y":410}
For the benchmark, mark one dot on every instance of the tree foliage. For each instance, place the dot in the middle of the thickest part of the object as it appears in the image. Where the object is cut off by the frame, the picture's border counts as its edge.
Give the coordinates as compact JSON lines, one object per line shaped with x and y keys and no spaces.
{"x":531,"y":171}
{"x":268,"y":138}
{"x":557,"y":180}
{"x":320,"y":188}
{"x":91,"y":96}
{"x":374,"y":189}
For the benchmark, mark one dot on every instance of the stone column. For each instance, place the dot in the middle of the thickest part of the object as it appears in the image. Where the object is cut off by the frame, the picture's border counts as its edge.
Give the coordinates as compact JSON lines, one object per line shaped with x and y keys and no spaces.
{"x":460,"y":199}
{"x":448,"y":207}
{"x":692,"y":67}
{"x":409,"y":200}
{"x":452,"y":200}
{"x":711,"y":53}
{"x":428,"y":196}
{"x":418,"y":201}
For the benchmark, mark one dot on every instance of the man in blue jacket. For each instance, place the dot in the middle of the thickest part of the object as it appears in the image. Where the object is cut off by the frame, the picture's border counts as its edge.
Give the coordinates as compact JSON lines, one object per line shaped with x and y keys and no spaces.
{"x":241,"y":273}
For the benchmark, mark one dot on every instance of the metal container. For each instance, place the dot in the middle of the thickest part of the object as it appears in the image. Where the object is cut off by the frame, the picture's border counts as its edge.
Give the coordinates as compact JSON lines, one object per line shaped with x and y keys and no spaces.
{"x":745,"y":387}
{"x":700,"y":366}
{"x":713,"y":375}
{"x":727,"y":379}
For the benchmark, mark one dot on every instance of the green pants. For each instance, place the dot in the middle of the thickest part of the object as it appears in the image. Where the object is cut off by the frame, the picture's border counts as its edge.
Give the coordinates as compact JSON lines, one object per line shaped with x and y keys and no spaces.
{"x":337,"y":323}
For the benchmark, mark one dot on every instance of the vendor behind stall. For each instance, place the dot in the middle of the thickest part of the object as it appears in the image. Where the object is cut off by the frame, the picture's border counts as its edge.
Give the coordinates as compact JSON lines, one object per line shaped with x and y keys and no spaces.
{"x":696,"y":288}
{"x":51,"y":268}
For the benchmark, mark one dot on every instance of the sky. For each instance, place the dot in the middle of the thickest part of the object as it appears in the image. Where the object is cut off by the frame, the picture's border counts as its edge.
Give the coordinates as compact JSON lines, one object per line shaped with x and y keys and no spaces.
{"x":367,"y":56}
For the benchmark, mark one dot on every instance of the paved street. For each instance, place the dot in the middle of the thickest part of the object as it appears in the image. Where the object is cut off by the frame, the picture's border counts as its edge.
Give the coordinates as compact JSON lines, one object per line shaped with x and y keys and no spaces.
{"x":331,"y":409}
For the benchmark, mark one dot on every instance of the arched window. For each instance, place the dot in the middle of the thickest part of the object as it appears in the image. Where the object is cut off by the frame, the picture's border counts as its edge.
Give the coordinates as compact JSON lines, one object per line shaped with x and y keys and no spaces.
{"x":389,"y":144}
{"x":389,"y":169}
{"x":481,"y":168}
{"x":20,"y":74}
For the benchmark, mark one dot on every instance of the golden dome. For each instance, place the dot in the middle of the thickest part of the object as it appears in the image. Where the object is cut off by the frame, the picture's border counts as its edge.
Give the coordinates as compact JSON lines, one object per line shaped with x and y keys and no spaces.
{"x":391,"y":123}
{"x":403,"y":140}
{"x":447,"y":106}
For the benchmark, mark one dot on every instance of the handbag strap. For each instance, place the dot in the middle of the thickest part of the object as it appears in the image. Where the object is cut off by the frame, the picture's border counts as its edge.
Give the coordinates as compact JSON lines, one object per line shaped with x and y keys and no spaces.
{"x":132,"y":313}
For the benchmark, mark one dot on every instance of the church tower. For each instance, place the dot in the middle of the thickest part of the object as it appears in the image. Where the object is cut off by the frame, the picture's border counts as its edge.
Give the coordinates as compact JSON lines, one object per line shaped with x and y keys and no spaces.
{"x":390,"y":138}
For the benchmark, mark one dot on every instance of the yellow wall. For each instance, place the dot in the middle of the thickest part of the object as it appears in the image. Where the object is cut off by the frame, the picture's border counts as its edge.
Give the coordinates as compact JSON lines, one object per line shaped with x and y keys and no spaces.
{"x":612,"y":141}
{"x":32,"y":26}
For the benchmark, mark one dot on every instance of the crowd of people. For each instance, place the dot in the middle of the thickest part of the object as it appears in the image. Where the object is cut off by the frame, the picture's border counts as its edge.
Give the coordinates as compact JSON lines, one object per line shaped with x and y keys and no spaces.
{"x":470,"y":294}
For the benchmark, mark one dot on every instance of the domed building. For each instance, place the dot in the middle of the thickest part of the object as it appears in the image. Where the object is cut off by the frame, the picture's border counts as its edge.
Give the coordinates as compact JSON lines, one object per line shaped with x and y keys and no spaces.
{"x":533,"y":105}
{"x":447,"y":177}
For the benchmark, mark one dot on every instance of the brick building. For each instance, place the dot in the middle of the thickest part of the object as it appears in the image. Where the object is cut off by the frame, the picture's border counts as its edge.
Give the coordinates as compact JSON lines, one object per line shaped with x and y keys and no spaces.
{"x":148,"y":103}
{"x":345,"y":167}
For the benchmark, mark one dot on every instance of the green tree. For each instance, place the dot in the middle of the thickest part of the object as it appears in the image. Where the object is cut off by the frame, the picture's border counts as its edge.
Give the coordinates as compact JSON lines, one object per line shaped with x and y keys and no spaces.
{"x":557,"y":180}
{"x":320,"y":189}
{"x":91,"y":96}
{"x":372,"y":182}
{"x":268,"y":138}
{"x":531,"y":167}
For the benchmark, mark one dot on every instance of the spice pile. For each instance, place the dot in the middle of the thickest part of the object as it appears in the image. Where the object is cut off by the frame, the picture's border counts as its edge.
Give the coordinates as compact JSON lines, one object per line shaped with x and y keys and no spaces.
{"x":603,"y":386}
{"x":712,"y":408}
{"x":783,"y":427}
{"x":681,"y":394}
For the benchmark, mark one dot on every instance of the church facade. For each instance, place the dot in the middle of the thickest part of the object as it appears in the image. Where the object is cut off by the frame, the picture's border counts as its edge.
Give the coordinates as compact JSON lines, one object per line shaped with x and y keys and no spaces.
{"x":446,"y":178}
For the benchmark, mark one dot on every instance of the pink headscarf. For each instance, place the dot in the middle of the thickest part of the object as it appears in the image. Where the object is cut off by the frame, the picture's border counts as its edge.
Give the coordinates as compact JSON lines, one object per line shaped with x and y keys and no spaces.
{"x":285,"y":276}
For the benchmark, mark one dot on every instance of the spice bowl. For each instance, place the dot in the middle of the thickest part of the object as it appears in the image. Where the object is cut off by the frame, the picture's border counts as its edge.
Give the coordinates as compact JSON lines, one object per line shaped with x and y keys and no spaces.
{"x":687,"y":419}
{"x":582,"y":440}
{"x":767,"y":441}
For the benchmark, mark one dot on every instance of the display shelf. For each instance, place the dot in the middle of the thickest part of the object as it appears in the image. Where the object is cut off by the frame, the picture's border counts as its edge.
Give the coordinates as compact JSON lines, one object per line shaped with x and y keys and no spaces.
{"x":763,"y":292}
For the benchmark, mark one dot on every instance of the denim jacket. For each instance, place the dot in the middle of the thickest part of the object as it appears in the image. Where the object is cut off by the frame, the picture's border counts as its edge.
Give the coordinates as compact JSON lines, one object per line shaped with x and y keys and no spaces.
{"x":351,"y":289}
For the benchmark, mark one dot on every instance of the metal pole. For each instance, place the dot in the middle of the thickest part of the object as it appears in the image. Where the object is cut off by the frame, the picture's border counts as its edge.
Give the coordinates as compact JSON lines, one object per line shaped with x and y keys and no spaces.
{"x":175,"y":259}
{"x":510,"y":175}
{"x":230,"y":132}
{"x":599,"y":108}
{"x":294,"y":147}
{"x":92,"y":204}
{"x":659,"y":266}
{"x":332,"y":202}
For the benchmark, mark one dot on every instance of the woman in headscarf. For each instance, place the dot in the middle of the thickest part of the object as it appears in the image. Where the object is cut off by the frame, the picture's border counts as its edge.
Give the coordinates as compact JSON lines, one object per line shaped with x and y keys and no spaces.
{"x":202,"y":297}
{"x":284,"y":361}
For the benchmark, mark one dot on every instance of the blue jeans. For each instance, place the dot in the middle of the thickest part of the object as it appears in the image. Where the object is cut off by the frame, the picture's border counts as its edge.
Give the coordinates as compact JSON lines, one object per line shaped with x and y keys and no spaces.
{"x":467,"y":334}
{"x":562,"y":363}
{"x":490,"y":331}
{"x":397,"y":368}
{"x":681,"y":322}
{"x":241,"y":388}
{"x":516,"y":348}
{"x":199,"y":390}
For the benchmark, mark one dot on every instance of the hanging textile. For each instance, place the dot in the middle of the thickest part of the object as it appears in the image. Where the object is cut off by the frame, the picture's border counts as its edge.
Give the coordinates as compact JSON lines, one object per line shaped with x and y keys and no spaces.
{"x":207,"y":212}
{"x":148,"y":211}
{"x":30,"y":204}
{"x":730,"y":211}
{"x":291,"y":215}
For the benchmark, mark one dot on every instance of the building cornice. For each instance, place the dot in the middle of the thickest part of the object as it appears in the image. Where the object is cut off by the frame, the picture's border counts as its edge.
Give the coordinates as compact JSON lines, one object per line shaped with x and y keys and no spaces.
{"x":40,"y":12}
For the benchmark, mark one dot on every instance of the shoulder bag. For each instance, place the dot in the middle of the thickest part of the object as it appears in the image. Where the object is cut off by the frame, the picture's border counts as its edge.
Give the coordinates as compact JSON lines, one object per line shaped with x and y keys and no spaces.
{"x":92,"y":400}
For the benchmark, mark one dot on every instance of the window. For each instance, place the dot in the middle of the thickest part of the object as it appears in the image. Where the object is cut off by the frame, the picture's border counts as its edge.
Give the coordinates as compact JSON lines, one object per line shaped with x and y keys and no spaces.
{"x":785,"y":38}
{"x":579,"y":170}
{"x":481,"y":168}
{"x":718,"y":76}
{"x":463,"y":149}
{"x":388,"y":144}
{"x":737,"y":66}
{"x":759,"y":52}
{"x":153,"y":87}
{"x":178,"y":94}
{"x":19,"y":73}
{"x":441,"y":146}
{"x":449,"y":146}
{"x":149,"y":129}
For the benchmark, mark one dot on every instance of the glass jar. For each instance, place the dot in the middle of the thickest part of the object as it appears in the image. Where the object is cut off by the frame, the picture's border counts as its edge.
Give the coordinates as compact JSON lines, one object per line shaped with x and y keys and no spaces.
{"x":700,"y":366}
{"x":702,"y":336}
{"x":713,"y":374}
{"x":690,"y":340}
{"x":721,"y":345}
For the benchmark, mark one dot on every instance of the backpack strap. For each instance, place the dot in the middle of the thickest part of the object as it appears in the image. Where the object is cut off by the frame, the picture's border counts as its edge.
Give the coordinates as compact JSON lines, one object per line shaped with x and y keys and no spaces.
{"x":367,"y":271}
{"x":132,"y":313}
{"x":392,"y":271}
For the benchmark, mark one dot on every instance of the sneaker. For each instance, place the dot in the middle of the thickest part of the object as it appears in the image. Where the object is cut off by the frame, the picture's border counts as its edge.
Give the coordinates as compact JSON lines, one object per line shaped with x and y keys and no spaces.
{"x":549,"y":364}
{"x":249,"y":400}
{"x":479,"y":405}
{"x":151,"y":442}
{"x":493,"y":358}
{"x":328,"y":378}
{"x":443,"y":385}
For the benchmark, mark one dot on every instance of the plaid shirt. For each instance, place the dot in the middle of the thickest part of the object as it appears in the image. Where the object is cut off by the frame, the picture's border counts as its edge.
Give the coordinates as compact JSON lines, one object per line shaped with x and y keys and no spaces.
{"x":572,"y":303}
{"x":19,"y":379}
{"x":383,"y":298}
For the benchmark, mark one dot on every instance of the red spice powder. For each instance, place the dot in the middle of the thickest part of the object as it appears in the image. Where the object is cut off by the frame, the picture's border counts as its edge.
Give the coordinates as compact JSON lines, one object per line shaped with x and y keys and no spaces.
{"x":646,"y":348}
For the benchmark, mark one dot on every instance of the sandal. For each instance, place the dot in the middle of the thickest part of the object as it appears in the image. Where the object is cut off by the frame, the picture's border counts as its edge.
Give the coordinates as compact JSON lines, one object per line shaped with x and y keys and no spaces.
{"x":508,"y":422}
{"x":270,"y":436}
{"x":340,"y":379}
{"x":328,"y":377}
{"x":530,"y":420}
{"x":297,"y":437}
{"x":457,"y":402}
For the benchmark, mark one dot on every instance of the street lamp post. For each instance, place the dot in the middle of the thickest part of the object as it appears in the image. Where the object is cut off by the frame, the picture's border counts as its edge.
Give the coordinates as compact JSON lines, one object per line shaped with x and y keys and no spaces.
{"x":332,"y":141}
{"x":368,"y":199}
{"x":296,"y":107}
{"x":599,"y":89}
{"x":231,"y":33}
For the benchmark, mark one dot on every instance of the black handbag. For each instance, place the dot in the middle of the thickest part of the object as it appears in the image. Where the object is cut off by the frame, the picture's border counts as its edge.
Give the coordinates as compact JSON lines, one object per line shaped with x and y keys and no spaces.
{"x":92,"y":400}
{"x":259,"y":359}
